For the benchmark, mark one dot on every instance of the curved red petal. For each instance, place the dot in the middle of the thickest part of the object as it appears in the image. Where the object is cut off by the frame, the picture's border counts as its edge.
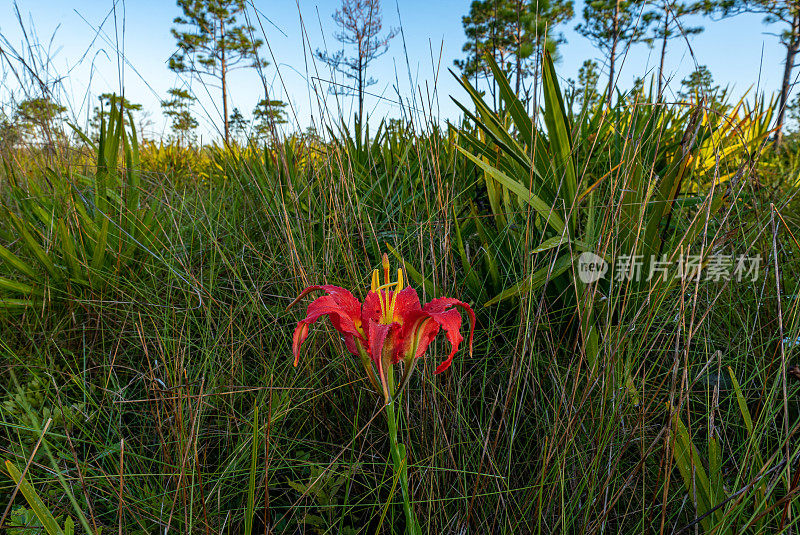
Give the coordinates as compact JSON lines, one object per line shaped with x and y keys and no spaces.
{"x":352,"y":343}
{"x":450,"y":321}
{"x":342,"y":296}
{"x":343,"y":320}
{"x":421,"y":333}
{"x":423,"y":326}
{"x":340,"y":306}
{"x":443,"y":303}
{"x":299,"y":336}
{"x":378,"y":333}
{"x":407,"y":302}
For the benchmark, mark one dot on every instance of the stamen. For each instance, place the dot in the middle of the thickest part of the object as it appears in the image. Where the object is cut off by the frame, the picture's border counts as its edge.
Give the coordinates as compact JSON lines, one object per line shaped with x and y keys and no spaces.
{"x":387,"y":306}
{"x":384,"y":299}
{"x":385,"y":268}
{"x":398,"y":287}
{"x":385,"y":286}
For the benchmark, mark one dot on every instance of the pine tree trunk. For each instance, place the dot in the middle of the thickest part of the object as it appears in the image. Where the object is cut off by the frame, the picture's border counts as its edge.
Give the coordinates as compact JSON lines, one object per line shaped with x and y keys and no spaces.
{"x":615,"y":34}
{"x":477,"y":60}
{"x":663,"y":51}
{"x":791,"y":52}
{"x":494,"y":55}
{"x":224,"y":80}
{"x":519,"y":53}
{"x":360,"y":88}
{"x":539,"y":51}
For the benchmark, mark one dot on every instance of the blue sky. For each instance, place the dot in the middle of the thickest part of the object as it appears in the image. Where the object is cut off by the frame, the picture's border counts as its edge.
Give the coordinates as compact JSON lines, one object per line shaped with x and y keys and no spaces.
{"x":82,"y":40}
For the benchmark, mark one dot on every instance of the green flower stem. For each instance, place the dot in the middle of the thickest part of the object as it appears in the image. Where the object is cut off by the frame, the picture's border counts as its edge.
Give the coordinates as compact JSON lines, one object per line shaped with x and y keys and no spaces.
{"x":400,"y":462}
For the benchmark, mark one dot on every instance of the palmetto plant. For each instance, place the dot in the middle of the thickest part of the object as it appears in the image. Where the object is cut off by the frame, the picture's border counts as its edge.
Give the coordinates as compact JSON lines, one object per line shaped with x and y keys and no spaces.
{"x":610,"y":181}
{"x":70,"y":232}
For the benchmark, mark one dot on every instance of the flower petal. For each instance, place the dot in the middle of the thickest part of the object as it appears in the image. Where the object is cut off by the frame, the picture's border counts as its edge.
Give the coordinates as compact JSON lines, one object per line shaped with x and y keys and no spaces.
{"x":443,"y":303}
{"x":378,"y":333}
{"x":450,"y":321}
{"x":342,"y":295}
{"x":421,"y":328}
{"x":418,"y":333}
{"x":371,"y":309}
{"x":344,"y":311}
{"x":299,"y":336}
{"x":407,"y":302}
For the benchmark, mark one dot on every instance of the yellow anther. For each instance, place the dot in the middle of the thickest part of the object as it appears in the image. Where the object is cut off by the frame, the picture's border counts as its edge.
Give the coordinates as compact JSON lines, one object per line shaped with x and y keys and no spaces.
{"x":387,"y":306}
{"x":397,"y":287}
{"x":375,"y":280}
{"x":385,"y":268}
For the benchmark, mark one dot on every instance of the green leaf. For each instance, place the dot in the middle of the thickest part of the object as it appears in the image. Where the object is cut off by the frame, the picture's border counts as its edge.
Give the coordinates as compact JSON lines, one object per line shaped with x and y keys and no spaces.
{"x":12,"y":304}
{"x":18,"y":287}
{"x":550,"y":243}
{"x":545,"y":211}
{"x":557,"y":122}
{"x":34,"y":247}
{"x":14,"y":261}
{"x":490,"y":124}
{"x":100,"y":247}
{"x":42,"y":512}
{"x":748,"y":420}
{"x":715,"y":470}
{"x":535,"y":281}
{"x":472,"y":277}
{"x":514,"y":106}
{"x":488,"y":251}
{"x":68,"y":248}
{"x":687,"y":458}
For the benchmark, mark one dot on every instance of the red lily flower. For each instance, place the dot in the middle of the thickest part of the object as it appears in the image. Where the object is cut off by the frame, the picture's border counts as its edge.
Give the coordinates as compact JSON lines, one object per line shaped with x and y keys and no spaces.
{"x":388,"y":327}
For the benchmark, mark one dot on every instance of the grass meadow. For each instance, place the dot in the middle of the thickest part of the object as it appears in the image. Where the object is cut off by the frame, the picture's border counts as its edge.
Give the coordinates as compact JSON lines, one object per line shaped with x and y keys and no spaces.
{"x":147,"y":379}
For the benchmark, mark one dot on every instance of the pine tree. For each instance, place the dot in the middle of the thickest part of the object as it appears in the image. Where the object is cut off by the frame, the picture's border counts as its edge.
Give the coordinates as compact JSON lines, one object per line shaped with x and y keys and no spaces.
{"x":360,"y":26}
{"x":636,"y":92}
{"x":588,"y":77}
{"x":609,"y":23}
{"x":178,"y":109}
{"x":266,"y":115}
{"x":39,"y":117}
{"x":102,"y":111}
{"x":784,"y":13}
{"x":540,"y":34}
{"x":513,"y":33}
{"x":237,"y":123}
{"x":214,"y":43}
{"x":669,"y":25}
{"x":10,"y":134}
{"x":699,"y":83}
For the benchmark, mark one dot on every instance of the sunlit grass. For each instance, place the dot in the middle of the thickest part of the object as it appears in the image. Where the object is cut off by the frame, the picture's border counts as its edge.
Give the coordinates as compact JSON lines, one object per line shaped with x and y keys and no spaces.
{"x":156,"y":368}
